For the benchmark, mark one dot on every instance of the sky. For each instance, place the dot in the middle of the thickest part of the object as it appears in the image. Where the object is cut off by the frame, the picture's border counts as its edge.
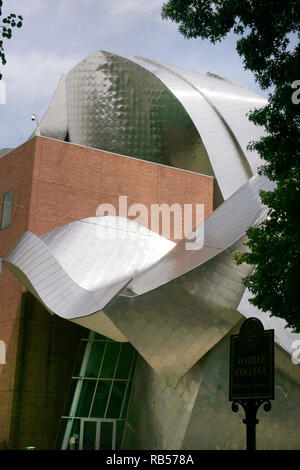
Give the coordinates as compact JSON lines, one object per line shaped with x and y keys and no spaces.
{"x":57,"y":34}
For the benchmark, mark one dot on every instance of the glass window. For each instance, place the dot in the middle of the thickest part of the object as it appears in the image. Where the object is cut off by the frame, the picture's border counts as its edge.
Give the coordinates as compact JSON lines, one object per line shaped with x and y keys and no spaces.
{"x":120,"y":427}
{"x":116,"y":400}
{"x":85,"y":399}
{"x":95,"y":359}
{"x":89,"y":435}
{"x":124,"y":410}
{"x":79,"y":359}
{"x":97,"y":336}
{"x":110,"y":360}
{"x":101,"y":397}
{"x":7,"y":209}
{"x":125,"y":361}
{"x":106,"y":436}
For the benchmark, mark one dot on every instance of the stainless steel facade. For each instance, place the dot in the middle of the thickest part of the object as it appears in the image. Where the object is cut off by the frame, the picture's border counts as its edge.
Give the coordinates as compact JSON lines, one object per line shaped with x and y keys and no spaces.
{"x":136,"y":106}
{"x":172,"y":304}
{"x":142,"y":108}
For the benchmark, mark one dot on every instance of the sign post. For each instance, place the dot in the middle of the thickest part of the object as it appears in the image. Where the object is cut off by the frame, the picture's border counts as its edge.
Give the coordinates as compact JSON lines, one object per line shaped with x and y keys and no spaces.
{"x":251,"y":373}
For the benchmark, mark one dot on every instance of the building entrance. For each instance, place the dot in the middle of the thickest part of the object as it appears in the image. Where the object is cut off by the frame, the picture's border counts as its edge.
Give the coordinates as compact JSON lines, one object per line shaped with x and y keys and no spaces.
{"x":97,"y":434}
{"x":98,"y":396}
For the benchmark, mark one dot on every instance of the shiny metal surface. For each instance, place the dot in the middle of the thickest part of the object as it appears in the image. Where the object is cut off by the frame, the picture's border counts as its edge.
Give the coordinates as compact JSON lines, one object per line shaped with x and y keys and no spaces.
{"x":226,"y":156}
{"x":142,"y":108}
{"x":173,"y":304}
{"x":226,"y":225}
{"x":34,"y":264}
{"x":173,"y":326}
{"x":115,"y":104}
{"x":77,"y":269}
{"x":99,"y":251}
{"x":190,"y":414}
{"x":180,"y":305}
{"x":232,"y":102}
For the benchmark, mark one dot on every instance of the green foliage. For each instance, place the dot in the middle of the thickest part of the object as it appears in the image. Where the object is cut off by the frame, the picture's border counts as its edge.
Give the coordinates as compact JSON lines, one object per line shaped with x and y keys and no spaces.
{"x":266,"y":31}
{"x":9,"y":22}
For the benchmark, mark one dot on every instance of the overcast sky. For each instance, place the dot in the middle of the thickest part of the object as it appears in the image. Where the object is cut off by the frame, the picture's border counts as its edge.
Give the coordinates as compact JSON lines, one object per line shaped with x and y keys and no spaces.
{"x":57,"y":34}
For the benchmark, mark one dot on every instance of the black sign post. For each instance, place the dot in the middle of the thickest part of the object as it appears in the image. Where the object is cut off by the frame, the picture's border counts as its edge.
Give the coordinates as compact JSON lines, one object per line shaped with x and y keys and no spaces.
{"x":251,"y":372}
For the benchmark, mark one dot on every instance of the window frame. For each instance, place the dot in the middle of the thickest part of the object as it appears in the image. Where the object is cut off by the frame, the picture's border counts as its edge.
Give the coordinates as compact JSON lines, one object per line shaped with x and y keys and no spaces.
{"x":7,"y":206}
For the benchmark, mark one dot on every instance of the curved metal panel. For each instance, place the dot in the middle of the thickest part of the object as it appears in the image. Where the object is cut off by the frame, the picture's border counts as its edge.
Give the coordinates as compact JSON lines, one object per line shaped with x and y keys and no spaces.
{"x":116,"y":105}
{"x":145,"y":109}
{"x":227,"y":158}
{"x":173,"y":326}
{"x":233,"y":102}
{"x":99,"y":251}
{"x":120,"y":279}
{"x":77,"y":269}
{"x":220,"y":230}
{"x":34,"y":264}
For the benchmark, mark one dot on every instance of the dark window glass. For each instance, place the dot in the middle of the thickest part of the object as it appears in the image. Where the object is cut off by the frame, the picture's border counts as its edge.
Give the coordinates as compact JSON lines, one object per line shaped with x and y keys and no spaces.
{"x":98,"y":336}
{"x":79,"y":357}
{"x":120,"y":428}
{"x":106,"y":435}
{"x":7,"y":209}
{"x":89,"y":435}
{"x":126,"y":401}
{"x":116,"y":400}
{"x":99,"y":394}
{"x":110,"y":360}
{"x":101,"y":397}
{"x":95,"y":358}
{"x":85,"y":399}
{"x":125,"y":361}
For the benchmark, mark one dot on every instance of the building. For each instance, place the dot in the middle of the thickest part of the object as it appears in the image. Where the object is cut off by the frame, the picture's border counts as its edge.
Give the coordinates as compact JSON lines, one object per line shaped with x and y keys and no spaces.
{"x":116,"y":331}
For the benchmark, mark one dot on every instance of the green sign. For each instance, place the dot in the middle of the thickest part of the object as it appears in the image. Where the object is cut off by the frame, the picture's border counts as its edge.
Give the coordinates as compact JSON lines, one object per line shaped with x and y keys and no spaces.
{"x":252,"y":362}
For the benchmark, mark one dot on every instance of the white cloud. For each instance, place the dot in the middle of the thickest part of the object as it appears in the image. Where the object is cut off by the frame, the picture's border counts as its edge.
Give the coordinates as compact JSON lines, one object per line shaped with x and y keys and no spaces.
{"x":135,"y":7}
{"x":26,"y":8}
{"x":36,"y":73}
{"x":57,"y":34}
{"x":107,"y":18}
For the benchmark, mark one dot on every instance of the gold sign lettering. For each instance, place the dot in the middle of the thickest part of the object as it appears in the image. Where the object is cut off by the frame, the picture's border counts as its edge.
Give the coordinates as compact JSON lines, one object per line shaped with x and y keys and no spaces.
{"x":250,"y":371}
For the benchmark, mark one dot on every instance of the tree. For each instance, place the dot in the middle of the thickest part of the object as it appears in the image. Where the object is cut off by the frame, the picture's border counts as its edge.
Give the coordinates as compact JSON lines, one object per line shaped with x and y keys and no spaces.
{"x":266,"y":40}
{"x":9,"y":22}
